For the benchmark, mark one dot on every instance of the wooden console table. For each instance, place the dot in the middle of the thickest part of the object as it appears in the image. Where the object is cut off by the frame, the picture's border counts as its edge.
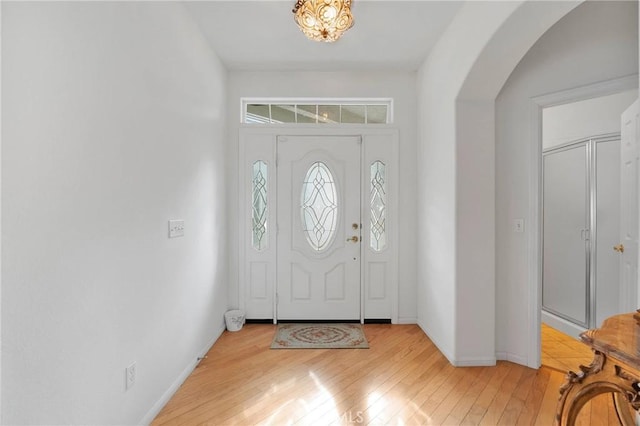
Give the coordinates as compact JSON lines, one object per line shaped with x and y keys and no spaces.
{"x":615,"y":369}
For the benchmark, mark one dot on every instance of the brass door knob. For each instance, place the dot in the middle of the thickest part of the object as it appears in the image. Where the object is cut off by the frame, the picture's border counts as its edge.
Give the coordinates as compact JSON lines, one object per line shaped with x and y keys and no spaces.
{"x":354,"y":239}
{"x":619,"y":248}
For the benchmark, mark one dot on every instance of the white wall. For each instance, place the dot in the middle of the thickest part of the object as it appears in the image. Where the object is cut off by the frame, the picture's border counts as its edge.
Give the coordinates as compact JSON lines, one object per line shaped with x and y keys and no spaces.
{"x":113,"y":123}
{"x":457,"y":85}
{"x":1,"y":132}
{"x":440,"y":80}
{"x":398,"y":85}
{"x":595,"y":42}
{"x":582,"y":119}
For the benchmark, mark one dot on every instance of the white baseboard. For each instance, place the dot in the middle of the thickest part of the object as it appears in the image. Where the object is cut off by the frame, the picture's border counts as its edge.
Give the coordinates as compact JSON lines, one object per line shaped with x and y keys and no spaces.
{"x":159,"y":405}
{"x":407,"y":320}
{"x":459,"y":362}
{"x":475,"y":362}
{"x":563,"y":325}
{"x":435,"y":342}
{"x":507,"y":356}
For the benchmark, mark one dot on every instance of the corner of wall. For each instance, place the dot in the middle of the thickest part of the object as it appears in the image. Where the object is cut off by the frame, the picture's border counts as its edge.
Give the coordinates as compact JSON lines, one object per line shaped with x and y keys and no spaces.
{"x":442,"y":348}
{"x":507,"y":356}
{"x":168,"y":394}
{"x":1,"y":346}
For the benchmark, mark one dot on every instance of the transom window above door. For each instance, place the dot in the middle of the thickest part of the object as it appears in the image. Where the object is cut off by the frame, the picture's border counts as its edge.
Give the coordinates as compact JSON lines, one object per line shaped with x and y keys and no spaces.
{"x":317,"y":111}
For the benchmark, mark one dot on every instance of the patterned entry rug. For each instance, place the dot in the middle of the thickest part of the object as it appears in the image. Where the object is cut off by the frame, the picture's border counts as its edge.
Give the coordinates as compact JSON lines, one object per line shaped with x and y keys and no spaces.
{"x":319,"y":336}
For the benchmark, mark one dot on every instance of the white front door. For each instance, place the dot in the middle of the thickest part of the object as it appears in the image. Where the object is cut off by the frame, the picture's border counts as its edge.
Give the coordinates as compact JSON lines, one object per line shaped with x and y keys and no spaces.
{"x":628,"y":247}
{"x":318,"y":222}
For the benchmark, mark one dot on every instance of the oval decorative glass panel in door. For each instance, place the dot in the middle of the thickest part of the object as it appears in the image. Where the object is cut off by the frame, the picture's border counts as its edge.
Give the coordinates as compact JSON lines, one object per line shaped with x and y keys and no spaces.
{"x":319,"y":206}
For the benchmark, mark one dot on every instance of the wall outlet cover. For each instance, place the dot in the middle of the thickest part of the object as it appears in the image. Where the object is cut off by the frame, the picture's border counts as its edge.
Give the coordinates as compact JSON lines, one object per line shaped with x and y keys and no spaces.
{"x":176,"y":228}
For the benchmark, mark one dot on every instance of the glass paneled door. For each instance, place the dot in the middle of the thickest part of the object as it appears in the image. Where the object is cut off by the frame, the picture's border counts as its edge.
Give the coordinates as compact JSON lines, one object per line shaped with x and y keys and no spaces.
{"x":319,"y":235}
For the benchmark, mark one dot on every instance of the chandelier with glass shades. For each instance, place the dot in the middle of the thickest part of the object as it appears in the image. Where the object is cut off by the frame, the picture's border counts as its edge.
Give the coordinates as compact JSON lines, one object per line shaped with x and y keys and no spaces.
{"x":323,"y":20}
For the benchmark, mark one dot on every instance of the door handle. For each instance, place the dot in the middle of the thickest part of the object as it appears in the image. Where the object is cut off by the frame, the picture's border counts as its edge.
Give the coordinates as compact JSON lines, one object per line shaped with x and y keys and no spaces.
{"x":619,"y":248}
{"x":354,"y":239}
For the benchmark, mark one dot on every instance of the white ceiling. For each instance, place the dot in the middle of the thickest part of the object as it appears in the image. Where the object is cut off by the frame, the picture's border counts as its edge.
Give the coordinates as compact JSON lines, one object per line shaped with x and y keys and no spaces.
{"x":262,"y":35}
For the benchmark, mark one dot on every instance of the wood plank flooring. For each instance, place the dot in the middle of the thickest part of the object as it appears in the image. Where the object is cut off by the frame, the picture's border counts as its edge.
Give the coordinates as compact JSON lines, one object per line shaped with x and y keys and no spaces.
{"x":561,"y":351}
{"x":401,"y":380}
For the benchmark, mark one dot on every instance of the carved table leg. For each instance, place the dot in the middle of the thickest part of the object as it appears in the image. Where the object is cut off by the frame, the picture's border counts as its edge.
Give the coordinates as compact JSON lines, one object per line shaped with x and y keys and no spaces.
{"x":624,"y":410}
{"x":601,"y":376}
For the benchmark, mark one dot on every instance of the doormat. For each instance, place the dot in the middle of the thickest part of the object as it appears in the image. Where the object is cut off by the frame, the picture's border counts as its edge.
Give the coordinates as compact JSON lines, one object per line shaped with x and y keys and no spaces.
{"x":319,"y":336}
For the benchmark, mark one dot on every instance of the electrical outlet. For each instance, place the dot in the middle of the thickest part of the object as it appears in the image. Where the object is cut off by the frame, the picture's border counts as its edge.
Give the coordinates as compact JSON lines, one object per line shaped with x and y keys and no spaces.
{"x":130,"y":376}
{"x":176,"y":228}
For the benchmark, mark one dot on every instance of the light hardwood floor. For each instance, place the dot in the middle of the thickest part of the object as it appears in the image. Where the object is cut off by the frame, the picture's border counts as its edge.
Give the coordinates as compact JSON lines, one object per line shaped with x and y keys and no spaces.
{"x":563,"y":352}
{"x":401,"y":380}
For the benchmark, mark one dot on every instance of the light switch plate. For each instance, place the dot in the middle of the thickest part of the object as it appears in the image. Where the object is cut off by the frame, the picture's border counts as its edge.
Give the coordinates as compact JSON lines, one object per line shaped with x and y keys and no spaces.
{"x":176,"y":228}
{"x":518,"y":225}
{"x":130,"y":376}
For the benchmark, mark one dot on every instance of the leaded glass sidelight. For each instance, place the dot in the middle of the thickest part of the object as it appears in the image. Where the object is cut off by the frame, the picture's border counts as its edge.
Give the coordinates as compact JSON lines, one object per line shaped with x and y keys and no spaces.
{"x":259,"y":206}
{"x":378,"y":237}
{"x":319,"y":206}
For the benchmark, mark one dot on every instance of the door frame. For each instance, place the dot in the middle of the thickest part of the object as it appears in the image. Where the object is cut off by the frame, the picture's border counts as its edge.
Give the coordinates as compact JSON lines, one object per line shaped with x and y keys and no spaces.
{"x":257,"y":270}
{"x":536,"y":105}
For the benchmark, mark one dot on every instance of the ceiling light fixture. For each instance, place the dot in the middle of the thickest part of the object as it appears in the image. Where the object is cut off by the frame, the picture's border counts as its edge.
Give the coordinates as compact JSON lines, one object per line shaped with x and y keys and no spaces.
{"x":323,"y":20}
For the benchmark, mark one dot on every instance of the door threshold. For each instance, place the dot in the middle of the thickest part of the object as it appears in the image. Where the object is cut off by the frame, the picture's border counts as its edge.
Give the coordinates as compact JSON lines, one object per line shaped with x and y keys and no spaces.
{"x":259,"y":321}
{"x":377,"y":321}
{"x":325,"y":321}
